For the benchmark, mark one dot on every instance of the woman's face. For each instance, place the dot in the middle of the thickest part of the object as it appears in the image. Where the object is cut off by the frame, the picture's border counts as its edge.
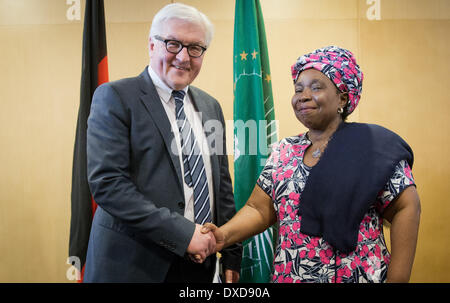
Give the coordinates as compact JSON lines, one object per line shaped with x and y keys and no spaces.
{"x":316,"y":100}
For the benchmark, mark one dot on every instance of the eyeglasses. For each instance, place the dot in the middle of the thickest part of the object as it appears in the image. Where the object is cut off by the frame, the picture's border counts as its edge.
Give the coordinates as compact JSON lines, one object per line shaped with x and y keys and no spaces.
{"x":175,"y":46}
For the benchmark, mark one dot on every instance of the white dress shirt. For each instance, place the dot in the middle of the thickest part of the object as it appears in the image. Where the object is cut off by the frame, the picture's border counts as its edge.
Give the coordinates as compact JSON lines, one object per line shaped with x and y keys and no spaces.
{"x":194,"y":118}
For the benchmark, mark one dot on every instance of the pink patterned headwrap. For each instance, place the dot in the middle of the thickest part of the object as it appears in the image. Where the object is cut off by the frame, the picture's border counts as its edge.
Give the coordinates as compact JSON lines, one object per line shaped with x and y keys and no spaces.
{"x":339,"y":65}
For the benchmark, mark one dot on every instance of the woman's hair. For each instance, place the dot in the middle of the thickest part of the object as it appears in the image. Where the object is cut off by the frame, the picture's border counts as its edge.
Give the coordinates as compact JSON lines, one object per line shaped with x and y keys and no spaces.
{"x":182,"y":12}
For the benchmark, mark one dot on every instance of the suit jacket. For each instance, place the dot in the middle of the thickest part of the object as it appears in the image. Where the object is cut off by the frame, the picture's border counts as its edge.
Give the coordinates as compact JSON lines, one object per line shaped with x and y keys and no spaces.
{"x":139,"y":228}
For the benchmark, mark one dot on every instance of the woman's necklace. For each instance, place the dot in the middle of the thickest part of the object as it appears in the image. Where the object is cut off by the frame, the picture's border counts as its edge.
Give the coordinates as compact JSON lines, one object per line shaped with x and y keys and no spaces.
{"x":319,"y":151}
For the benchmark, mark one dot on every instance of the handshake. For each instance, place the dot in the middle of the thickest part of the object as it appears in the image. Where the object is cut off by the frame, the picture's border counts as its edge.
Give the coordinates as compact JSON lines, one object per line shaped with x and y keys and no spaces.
{"x":207,"y":240}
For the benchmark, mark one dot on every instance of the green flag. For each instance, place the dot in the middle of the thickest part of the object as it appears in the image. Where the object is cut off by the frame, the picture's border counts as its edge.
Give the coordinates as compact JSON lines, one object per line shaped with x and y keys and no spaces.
{"x":254,"y":127}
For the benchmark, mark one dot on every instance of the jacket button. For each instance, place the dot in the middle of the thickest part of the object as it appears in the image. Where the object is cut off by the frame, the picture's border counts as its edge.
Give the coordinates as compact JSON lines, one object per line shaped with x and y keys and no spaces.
{"x":181,"y":205}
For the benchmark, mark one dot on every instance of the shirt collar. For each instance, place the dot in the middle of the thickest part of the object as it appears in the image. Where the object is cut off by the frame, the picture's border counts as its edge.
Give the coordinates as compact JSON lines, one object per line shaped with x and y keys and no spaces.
{"x":165,"y":92}
{"x":304,"y":139}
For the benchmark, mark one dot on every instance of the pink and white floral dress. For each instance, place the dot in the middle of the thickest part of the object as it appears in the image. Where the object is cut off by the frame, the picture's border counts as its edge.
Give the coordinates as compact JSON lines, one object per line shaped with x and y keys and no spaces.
{"x":303,"y":258}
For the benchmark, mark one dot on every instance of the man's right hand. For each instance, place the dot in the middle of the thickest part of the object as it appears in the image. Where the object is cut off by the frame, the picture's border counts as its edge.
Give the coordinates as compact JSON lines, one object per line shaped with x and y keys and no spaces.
{"x":202,"y":244}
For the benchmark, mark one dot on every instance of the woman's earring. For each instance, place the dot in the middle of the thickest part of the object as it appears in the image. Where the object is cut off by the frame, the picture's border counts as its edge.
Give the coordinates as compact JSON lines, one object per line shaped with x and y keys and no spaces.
{"x":340,"y":110}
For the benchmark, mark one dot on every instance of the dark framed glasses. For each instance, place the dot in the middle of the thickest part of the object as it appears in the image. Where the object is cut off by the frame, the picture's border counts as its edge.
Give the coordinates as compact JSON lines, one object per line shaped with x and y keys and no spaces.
{"x":175,"y":46}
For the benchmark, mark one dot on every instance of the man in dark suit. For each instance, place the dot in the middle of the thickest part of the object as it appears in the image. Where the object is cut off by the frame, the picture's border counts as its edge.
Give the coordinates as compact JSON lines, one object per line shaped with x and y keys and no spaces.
{"x":151,"y":168}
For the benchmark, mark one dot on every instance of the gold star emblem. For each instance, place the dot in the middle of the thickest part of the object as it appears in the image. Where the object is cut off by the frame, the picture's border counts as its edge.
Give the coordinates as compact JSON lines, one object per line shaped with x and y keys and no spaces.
{"x":268,"y":78}
{"x":244,"y":55}
{"x":254,"y":54}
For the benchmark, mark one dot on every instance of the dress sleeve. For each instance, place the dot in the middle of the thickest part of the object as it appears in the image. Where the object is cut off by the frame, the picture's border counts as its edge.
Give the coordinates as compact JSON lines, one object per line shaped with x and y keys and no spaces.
{"x":265,"y":180}
{"x":399,"y":181}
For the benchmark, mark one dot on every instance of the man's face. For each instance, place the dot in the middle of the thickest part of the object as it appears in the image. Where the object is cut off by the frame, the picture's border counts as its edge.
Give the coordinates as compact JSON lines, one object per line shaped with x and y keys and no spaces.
{"x":177,"y":70}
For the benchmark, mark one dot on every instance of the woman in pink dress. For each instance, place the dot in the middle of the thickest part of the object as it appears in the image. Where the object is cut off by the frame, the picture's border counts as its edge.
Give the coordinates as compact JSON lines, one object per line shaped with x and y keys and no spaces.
{"x":331,"y":187}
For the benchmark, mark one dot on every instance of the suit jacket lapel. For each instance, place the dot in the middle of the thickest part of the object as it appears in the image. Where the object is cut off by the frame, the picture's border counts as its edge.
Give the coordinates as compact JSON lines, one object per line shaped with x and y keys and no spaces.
{"x":152,"y":102}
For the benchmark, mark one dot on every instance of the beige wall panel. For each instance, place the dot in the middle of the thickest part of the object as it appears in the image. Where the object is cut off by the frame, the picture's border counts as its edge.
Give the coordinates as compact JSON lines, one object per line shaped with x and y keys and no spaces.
{"x":127,"y":49}
{"x":405,"y":90}
{"x":40,"y":76}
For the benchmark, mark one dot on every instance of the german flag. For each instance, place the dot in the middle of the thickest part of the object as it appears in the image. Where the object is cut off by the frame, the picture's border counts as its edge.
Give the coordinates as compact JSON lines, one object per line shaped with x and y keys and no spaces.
{"x":94,"y":72}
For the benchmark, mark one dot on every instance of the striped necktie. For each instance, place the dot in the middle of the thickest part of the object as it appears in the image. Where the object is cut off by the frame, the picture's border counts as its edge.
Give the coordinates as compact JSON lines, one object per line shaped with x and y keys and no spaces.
{"x":194,"y":169}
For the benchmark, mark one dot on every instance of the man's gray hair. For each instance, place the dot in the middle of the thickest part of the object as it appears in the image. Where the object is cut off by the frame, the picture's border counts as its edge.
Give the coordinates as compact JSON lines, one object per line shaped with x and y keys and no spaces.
{"x":182,"y":12}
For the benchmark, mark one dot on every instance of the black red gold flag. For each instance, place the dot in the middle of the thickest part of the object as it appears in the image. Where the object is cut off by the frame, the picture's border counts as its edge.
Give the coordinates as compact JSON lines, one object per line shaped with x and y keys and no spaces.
{"x":94,"y":72}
